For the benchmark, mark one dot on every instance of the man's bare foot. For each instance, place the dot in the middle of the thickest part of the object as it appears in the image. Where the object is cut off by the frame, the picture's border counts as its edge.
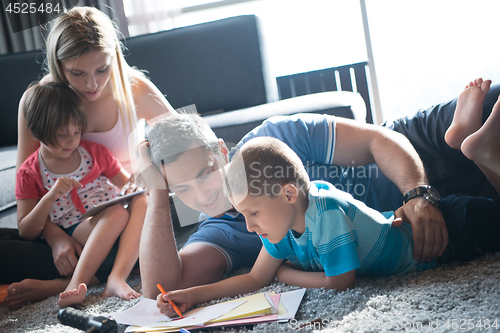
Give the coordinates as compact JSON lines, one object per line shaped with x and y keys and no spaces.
{"x":483,"y":146}
{"x":29,"y":290}
{"x":119,"y":287}
{"x":468,"y":113}
{"x":72,"y":296}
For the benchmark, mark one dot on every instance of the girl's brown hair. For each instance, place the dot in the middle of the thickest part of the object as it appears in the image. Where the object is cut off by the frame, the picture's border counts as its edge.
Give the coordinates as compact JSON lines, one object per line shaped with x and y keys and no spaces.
{"x":50,"y":107}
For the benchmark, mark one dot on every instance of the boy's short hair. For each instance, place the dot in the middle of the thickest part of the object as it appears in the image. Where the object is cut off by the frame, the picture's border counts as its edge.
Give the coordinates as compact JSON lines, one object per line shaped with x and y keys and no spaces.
{"x":267,"y":165}
{"x":51,"y":106}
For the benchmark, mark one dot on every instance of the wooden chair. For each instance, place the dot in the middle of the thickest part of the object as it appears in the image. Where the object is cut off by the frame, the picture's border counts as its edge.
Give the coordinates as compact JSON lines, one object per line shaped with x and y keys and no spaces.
{"x":350,"y":77}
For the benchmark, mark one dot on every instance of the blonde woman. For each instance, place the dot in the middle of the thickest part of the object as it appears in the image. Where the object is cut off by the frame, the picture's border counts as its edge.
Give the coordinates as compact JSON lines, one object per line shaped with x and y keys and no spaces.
{"x":83,"y":52}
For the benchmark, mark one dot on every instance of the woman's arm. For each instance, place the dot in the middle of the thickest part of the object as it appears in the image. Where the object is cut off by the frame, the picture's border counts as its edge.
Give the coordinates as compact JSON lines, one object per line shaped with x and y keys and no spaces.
{"x":295,"y":277}
{"x":121,"y":179}
{"x":26,"y":145}
{"x":261,"y":275}
{"x":149,"y":100}
{"x":65,"y":249}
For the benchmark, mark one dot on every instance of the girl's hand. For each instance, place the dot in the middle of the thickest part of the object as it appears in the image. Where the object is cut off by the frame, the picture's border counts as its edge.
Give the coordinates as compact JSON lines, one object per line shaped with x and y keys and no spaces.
{"x":62,"y":186}
{"x":181,"y":298}
{"x":130,"y":186}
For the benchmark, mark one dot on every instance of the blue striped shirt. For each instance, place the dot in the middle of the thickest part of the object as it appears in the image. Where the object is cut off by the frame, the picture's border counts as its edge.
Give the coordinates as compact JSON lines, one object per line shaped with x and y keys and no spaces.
{"x":343,"y":234}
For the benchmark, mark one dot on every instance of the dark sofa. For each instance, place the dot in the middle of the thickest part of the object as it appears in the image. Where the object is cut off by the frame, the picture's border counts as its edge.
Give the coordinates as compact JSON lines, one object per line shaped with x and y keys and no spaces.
{"x":219,"y":66}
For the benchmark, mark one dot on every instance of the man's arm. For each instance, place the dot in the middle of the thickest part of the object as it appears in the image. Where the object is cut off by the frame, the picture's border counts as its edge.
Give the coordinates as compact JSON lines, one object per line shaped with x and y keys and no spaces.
{"x":361,"y":144}
{"x":160,"y":262}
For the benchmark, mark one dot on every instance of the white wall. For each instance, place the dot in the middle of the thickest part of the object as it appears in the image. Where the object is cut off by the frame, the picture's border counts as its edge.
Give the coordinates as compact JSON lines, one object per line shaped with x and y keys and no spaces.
{"x":426,"y":51}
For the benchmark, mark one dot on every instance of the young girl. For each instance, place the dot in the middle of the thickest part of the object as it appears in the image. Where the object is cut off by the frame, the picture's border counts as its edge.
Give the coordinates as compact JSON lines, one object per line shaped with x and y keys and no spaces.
{"x":65,"y":177}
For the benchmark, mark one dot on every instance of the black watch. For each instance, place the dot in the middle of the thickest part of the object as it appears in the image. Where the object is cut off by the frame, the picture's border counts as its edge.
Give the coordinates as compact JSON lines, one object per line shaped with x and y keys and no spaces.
{"x":428,"y":192}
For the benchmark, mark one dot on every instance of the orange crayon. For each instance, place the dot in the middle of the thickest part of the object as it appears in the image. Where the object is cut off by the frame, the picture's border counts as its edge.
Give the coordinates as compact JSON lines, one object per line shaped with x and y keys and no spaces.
{"x":176,"y":309}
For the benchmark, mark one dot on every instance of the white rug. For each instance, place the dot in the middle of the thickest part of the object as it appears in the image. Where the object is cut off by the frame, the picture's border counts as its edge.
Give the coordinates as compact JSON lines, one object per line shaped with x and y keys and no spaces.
{"x":452,"y":298}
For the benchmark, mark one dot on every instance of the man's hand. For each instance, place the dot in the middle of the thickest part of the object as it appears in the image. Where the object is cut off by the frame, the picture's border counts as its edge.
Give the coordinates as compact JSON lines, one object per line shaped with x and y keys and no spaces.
{"x":146,"y":174}
{"x":430,"y":236}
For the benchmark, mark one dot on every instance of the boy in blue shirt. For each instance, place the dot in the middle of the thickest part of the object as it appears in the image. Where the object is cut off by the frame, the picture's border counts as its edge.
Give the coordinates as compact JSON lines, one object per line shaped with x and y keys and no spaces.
{"x":325,"y":235}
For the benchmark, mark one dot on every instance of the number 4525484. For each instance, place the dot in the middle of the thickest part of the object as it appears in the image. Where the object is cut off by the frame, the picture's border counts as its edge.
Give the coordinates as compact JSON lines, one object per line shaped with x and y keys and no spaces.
{"x":32,"y":8}
{"x":468,"y":324}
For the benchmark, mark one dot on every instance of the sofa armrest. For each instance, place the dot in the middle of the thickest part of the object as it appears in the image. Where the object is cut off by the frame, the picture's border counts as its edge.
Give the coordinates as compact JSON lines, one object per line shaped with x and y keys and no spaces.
{"x":232,"y":126}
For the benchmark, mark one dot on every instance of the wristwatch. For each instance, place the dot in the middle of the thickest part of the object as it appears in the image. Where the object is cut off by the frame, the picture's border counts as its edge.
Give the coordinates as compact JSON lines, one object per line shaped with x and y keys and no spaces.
{"x":428,"y":192}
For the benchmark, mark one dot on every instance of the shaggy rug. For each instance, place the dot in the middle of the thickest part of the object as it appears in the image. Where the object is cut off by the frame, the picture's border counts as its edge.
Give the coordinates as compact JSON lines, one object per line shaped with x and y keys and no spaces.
{"x":452,"y":298}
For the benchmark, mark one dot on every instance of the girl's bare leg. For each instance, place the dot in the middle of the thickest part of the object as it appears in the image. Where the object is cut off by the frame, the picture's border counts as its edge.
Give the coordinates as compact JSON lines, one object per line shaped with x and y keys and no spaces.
{"x":468,"y":113}
{"x":128,"y":252}
{"x":107,"y":226}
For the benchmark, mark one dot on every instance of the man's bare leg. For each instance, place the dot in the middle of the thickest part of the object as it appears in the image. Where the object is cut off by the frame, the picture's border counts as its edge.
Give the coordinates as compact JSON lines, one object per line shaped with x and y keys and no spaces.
{"x":468,"y":113}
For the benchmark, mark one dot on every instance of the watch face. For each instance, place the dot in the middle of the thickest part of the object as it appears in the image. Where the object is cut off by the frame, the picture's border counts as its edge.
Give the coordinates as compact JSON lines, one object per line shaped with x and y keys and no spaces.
{"x":433,"y":193}
{"x":429,"y":193}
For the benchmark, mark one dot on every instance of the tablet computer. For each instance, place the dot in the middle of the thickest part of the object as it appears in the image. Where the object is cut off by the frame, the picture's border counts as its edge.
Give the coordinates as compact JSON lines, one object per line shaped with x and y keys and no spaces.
{"x":123,"y":199}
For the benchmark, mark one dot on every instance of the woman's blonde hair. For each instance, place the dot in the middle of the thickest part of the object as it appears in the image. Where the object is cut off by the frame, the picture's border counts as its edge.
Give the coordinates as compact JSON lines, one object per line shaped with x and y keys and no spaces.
{"x":80,"y":30}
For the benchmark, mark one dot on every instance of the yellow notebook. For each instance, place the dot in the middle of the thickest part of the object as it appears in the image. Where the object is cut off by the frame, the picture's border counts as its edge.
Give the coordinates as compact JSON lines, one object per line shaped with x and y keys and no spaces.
{"x":255,"y":305}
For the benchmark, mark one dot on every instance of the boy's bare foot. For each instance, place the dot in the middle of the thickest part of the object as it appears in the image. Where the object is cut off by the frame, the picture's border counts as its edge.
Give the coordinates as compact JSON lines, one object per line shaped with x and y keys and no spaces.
{"x":120,"y":288}
{"x":72,"y":296}
{"x":29,"y":290}
{"x":468,"y":113}
{"x":483,"y":146}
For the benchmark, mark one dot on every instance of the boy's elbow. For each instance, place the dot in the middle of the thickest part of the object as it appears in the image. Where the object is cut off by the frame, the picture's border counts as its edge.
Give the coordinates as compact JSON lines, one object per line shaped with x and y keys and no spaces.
{"x":341,"y":282}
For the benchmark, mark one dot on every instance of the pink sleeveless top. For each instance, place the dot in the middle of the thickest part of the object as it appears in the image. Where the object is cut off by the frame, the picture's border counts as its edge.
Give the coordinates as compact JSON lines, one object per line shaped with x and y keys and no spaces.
{"x":116,"y":140}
